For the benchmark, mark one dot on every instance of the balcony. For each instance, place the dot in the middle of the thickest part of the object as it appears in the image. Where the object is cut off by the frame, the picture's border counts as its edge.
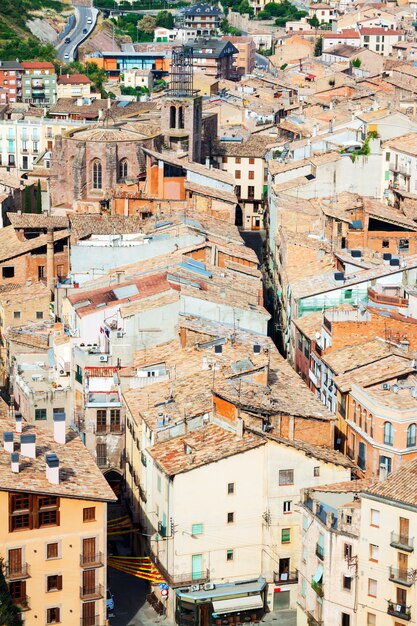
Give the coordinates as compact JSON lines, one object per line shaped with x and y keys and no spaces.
{"x":91,"y":592}
{"x":320,"y":551}
{"x":108,"y":429}
{"x":402,"y":542}
{"x":381,"y":298}
{"x":23,"y":603}
{"x":181,"y":580}
{"x":18,"y":572}
{"x":286,"y":578}
{"x":401,"y":576}
{"x":103,"y":399}
{"x":312,"y":621}
{"x":317,"y":587}
{"x":405,"y":170}
{"x":92,"y":560}
{"x":399,"y":610}
{"x":92,"y":621}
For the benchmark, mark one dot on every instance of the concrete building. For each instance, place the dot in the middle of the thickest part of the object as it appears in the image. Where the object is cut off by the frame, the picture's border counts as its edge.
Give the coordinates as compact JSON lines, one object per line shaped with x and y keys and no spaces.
{"x":10,"y":81}
{"x":204,"y":18}
{"x":53,"y":524}
{"x":325,"y":13}
{"x":400,"y":169}
{"x":245,"y":59}
{"x":73,"y":86}
{"x":38,"y":83}
{"x":380,"y":39}
{"x":138,"y":78}
{"x":214,"y":57}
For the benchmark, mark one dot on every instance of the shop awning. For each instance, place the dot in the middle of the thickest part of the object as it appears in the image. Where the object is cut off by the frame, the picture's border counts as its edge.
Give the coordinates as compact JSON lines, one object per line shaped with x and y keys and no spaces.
{"x":319,"y":574}
{"x":231,"y":605}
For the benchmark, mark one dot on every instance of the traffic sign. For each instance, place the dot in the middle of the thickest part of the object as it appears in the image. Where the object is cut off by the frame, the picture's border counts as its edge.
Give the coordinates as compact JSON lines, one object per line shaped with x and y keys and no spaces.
{"x":164,"y":593}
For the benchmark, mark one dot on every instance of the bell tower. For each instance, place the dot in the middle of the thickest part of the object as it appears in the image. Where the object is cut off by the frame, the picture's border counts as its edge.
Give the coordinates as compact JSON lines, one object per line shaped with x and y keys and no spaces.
{"x":182,"y":109}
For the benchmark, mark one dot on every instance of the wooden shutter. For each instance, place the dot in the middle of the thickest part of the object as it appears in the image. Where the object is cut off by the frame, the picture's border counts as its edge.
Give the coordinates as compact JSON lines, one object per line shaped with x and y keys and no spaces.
{"x":15,"y":561}
{"x":89,"y":581}
{"x":404,"y":529}
{"x":89,"y":613}
{"x":89,"y":549}
{"x":59,"y":582}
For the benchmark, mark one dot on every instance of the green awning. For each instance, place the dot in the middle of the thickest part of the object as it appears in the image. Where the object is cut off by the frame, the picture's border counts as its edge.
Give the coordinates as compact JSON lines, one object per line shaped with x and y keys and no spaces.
{"x":319,"y":574}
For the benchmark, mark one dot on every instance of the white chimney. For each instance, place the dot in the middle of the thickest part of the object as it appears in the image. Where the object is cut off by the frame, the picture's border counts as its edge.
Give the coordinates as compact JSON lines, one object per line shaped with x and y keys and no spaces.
{"x":15,"y":462}
{"x":240,"y":427}
{"x":59,"y":427}
{"x":383,"y":472}
{"x":8,"y":442}
{"x":28,"y":445}
{"x":52,"y":468}
{"x":18,"y":418}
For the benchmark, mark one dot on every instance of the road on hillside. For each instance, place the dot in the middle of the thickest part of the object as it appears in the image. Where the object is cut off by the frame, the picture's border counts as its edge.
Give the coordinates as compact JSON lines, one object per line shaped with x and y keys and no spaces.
{"x":67,"y":52}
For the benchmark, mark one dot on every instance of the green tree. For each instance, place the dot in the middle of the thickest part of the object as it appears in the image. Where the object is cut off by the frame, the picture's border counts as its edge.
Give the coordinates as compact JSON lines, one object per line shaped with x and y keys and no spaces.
{"x":147,"y":24}
{"x":38,"y":208}
{"x":356,"y":62}
{"x":314,"y":21}
{"x":165,"y":19}
{"x":27,"y":201}
{"x":9,"y":612}
{"x":318,"y":47}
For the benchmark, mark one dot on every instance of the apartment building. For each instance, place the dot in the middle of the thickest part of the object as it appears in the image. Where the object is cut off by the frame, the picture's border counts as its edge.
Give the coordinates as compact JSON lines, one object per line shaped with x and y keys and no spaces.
{"x":379,"y":39}
{"x":52,"y":525}
{"x":386,"y":551}
{"x":73,"y":86}
{"x":325,"y":13}
{"x":328,"y":565}
{"x":10,"y":81}
{"x":245,"y":59}
{"x":38,"y":83}
{"x":214,"y":57}
{"x":204,"y":18}
{"x":400,"y":167}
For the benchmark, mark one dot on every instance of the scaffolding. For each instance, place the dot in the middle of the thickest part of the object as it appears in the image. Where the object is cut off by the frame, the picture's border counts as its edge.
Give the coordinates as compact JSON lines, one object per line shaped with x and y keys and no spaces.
{"x":181,"y":79}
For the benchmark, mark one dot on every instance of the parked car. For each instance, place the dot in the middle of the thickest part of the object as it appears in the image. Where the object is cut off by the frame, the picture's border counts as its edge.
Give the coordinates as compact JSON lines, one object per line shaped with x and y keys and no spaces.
{"x":66,"y":55}
{"x":67,"y":40}
{"x":85,"y":31}
{"x":110,"y":601}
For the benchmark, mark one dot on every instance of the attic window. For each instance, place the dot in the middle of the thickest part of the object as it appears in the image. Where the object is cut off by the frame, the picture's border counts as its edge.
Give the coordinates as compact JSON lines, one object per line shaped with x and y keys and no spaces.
{"x":187,"y":449}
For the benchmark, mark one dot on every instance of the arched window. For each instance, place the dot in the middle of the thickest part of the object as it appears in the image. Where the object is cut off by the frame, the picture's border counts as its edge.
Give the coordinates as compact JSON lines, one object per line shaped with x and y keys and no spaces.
{"x":122,"y":169}
{"x":411,"y":436}
{"x":181,"y":117}
{"x":388,"y":434}
{"x":172,"y":117}
{"x":97,"y":175}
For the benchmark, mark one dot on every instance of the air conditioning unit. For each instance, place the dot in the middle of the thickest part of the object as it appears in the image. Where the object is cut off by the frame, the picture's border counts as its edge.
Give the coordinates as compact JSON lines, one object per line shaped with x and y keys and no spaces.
{"x":120,"y":334}
{"x":386,"y":386}
{"x":195,"y":587}
{"x":63,"y":373}
{"x":103,"y":358}
{"x":209,"y":587}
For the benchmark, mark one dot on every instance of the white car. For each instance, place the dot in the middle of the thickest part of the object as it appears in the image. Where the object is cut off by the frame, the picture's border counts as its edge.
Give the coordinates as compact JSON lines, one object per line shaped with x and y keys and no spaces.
{"x":66,"y":55}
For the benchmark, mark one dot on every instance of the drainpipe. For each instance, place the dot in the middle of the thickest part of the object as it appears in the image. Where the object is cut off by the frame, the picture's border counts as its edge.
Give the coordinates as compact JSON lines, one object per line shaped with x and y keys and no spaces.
{"x":50,"y":273}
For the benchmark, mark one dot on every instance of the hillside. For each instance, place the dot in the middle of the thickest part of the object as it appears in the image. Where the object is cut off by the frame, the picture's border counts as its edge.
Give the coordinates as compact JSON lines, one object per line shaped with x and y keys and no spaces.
{"x":16,"y":40}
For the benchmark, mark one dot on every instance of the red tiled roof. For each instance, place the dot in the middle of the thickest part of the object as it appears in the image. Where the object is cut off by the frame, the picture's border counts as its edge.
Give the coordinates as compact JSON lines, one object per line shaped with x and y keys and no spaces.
{"x":349,"y":33}
{"x":73,"y":79}
{"x":37,"y":65}
{"x":378,"y":30}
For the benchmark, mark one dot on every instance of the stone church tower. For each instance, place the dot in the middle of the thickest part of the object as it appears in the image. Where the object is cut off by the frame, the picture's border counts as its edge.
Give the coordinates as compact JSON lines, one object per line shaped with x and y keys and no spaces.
{"x":182,"y":108}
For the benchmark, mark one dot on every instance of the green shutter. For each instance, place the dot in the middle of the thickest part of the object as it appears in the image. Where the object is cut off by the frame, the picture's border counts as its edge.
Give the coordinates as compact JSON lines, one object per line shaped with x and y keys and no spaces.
{"x":197,"y":529}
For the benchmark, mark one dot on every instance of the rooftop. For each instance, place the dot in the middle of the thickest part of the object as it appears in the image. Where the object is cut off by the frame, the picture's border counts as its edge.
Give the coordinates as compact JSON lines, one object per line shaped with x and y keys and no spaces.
{"x":349,"y":358}
{"x":400,"y":486}
{"x":73,"y":79}
{"x":406,"y":143}
{"x":79,"y":476}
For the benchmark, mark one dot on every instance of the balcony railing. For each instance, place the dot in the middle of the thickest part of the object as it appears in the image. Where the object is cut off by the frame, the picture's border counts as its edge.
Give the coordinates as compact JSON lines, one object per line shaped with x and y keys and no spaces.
{"x":382,"y":298}
{"x":319,"y":551}
{"x":399,"y":610}
{"x":88,"y":592}
{"x":313,"y":621}
{"x":15,"y":572}
{"x":92,"y":560}
{"x":286,"y":577}
{"x":181,"y":580}
{"x":405,"y":170}
{"x":92,"y":621}
{"x":109,"y":429}
{"x":102,"y":461}
{"x":318,"y":588}
{"x":402,"y":542}
{"x":401,"y":576}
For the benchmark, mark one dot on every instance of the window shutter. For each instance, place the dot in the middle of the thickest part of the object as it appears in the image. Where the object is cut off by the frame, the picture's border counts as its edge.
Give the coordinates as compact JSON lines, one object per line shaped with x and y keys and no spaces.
{"x":59,"y":582}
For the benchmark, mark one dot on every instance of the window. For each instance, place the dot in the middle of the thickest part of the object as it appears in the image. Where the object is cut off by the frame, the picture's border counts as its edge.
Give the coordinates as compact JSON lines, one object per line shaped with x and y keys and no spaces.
{"x":41,"y":272}
{"x":388,"y":434}
{"x":373,"y":552}
{"x":230,"y":488}
{"x":386,"y":462}
{"x":286,"y":535}
{"x":172,"y":117}
{"x":372,"y":587}
{"x":17,"y":315}
{"x":101,"y":420}
{"x":39,"y":315}
{"x":345,"y":619}
{"x":286,"y":477}
{"x":347,"y":583}
{"x":8,"y":271}
{"x":251,"y":175}
{"x":305,"y":522}
{"x":97,"y":174}
{"x":287,"y":506}
{"x":387,"y":156}
{"x":123,"y":169}
{"x":374,"y":518}
{"x":347,"y":551}
{"x":224,"y":159}
{"x":53,"y":615}
{"x":404,"y":245}
{"x":54,"y":583}
{"x":385,"y":244}
{"x":230,"y":518}
{"x":115,"y":420}
{"x":316,"y":471}
{"x":229,"y":555}
{"x":238,"y":189}
{"x":371,"y":619}
{"x":197,"y":529}
{"x":52,"y":550}
{"x":411,"y":436}
{"x":304,"y":588}
{"x":237,"y":173}
{"x":40,"y":414}
{"x":89,"y":514}
{"x":348,"y":519}
{"x":251,"y":161}
{"x":101,"y":454}
{"x":251,"y":192}
{"x":159,"y":483}
{"x":238,"y":160}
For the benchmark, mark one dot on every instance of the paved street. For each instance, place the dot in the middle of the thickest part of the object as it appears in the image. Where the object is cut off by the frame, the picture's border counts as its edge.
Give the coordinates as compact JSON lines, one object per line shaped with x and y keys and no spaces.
{"x":76,"y":36}
{"x":254,"y":239}
{"x":129,"y":596}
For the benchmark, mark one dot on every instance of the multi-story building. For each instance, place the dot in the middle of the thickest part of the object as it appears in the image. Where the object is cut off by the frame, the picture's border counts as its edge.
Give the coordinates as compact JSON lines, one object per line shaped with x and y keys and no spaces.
{"x":386,"y":550}
{"x":400,"y":167}
{"x":328,"y":583}
{"x":214,"y":57}
{"x":325,"y":13}
{"x":204,"y":18}
{"x":138,"y":78}
{"x":245,"y":58}
{"x":38,"y":83}
{"x":379,"y":39}
{"x":53,"y":520}
{"x":73,"y":86}
{"x":10,"y":81}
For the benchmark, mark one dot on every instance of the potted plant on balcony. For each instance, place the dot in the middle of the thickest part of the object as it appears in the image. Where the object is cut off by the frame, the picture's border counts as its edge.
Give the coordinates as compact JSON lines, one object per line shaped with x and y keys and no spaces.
{"x":9,"y":612}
